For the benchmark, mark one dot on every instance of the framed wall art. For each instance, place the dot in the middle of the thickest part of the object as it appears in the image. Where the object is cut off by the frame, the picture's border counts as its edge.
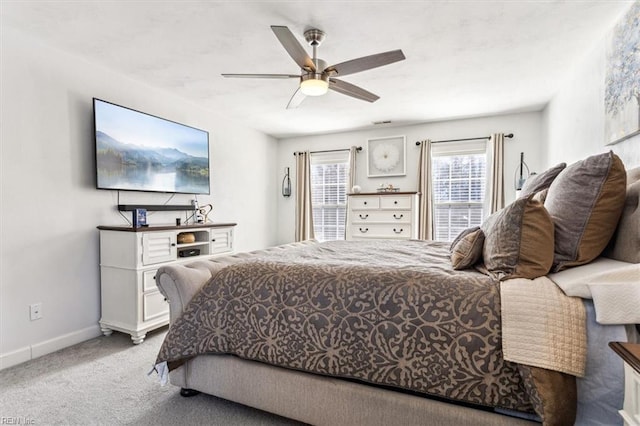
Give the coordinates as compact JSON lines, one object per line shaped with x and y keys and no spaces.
{"x":622,"y":86}
{"x":386,"y":156}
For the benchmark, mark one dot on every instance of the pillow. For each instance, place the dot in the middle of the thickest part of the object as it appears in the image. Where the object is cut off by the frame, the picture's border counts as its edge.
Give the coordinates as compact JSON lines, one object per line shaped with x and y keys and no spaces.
{"x":625,"y":244}
{"x":585,"y":202}
{"x":542,"y":181}
{"x":518,"y":240}
{"x":575,"y":282}
{"x":466,"y":249}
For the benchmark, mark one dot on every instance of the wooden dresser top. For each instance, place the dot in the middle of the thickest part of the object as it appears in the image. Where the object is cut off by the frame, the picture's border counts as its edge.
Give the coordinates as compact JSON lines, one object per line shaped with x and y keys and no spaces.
{"x":629,"y":352}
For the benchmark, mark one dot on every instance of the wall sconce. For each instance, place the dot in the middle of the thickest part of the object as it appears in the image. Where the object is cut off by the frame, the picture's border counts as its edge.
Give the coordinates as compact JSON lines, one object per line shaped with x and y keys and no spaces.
{"x":521,"y":180}
{"x":286,"y":183}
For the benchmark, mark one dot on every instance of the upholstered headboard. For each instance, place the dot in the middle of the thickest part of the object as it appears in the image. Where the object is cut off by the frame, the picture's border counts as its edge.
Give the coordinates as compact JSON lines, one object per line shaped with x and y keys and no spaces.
{"x":625,"y":244}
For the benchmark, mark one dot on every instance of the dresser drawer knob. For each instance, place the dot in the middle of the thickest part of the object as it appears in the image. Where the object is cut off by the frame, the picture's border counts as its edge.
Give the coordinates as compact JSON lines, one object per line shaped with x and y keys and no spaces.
{"x":213,"y":240}
{"x":398,"y":217}
{"x":397,"y":231}
{"x":364,"y":230}
{"x":365,"y":203}
{"x":395,"y":202}
{"x":363,"y":216}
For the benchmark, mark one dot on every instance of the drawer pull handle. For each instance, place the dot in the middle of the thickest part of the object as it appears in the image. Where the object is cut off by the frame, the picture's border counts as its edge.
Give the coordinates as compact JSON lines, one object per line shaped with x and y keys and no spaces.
{"x":154,"y":277}
{"x":173,"y":244}
{"x":396,"y":231}
{"x":365,"y":203}
{"x":364,"y":231}
{"x":395,"y":202}
{"x":398,"y":217}
{"x":214,"y":240}
{"x":363,"y":217}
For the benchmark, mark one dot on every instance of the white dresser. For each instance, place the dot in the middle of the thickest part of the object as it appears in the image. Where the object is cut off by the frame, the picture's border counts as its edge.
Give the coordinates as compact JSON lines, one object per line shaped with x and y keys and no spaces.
{"x":382,"y":215}
{"x":630,"y":354}
{"x":129,"y":258}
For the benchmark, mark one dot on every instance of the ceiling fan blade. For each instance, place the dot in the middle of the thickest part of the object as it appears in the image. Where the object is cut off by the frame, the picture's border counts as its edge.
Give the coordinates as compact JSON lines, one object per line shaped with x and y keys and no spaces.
{"x":261,"y":75}
{"x":352,"y":90}
{"x":296,"y":99}
{"x":365,"y":63}
{"x":293,"y":47}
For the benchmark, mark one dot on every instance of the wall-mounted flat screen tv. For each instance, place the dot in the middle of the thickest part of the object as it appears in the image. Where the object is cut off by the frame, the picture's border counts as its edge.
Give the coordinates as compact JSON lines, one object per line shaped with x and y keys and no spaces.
{"x":140,"y":152}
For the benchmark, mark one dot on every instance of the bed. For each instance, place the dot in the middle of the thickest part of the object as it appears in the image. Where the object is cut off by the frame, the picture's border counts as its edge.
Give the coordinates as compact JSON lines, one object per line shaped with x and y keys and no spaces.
{"x":382,"y":332}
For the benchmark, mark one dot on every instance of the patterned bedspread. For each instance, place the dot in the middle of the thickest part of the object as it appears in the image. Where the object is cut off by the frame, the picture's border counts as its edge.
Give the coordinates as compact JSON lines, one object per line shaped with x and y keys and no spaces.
{"x":386,"y":312}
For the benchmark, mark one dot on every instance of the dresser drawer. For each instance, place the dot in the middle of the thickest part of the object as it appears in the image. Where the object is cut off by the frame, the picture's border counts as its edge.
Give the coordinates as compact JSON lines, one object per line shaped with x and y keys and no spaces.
{"x":365,"y":202}
{"x":149,"y":280}
{"x":395,"y":202}
{"x":401,"y":231}
{"x":154,"y":306}
{"x":381,"y":216}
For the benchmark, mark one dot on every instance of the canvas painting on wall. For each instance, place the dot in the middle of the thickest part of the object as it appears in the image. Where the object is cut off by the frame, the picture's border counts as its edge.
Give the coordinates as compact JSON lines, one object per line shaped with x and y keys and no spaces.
{"x":622,"y":81}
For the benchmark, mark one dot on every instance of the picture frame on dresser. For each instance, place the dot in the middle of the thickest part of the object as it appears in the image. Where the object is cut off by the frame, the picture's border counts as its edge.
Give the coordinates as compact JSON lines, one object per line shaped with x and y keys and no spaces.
{"x":387,"y":156}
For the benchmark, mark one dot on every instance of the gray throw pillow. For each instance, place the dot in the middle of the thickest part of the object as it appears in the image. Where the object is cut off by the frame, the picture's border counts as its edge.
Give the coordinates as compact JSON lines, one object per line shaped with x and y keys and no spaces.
{"x":541,"y":181}
{"x":518,"y":241}
{"x":585,"y":202}
{"x":625,"y":243}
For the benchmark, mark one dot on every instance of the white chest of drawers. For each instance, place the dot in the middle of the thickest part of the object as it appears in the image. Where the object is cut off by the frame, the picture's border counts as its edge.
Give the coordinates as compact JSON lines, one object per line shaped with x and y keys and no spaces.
{"x":382,"y":215}
{"x":129,"y":258}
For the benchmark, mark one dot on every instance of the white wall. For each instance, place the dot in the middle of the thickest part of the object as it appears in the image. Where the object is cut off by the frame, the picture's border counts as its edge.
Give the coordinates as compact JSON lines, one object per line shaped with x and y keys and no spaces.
{"x":50,"y":207}
{"x":574,"y":119}
{"x":527,"y":128}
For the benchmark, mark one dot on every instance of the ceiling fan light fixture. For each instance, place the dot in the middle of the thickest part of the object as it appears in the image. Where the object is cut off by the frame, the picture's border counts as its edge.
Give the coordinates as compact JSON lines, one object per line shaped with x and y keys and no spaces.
{"x":313,"y":86}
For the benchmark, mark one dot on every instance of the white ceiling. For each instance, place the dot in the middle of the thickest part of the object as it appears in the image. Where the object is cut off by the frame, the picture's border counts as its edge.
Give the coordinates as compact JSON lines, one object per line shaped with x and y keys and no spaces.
{"x":464,"y":58}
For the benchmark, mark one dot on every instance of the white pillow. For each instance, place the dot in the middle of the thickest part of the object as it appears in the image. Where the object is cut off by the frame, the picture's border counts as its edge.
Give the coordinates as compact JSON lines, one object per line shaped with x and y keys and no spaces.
{"x":575,"y":281}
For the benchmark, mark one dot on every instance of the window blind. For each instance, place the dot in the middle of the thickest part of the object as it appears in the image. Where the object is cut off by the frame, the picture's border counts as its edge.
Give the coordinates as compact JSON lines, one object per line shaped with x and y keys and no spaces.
{"x":459,"y":181}
{"x":329,"y":180}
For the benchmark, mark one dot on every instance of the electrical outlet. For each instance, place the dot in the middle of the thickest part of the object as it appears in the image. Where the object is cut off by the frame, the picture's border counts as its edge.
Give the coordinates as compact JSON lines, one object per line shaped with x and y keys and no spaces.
{"x":35,"y":311}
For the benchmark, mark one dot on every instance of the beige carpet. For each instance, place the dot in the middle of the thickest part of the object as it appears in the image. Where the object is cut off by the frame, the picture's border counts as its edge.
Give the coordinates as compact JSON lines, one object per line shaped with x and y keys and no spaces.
{"x":104,"y":381}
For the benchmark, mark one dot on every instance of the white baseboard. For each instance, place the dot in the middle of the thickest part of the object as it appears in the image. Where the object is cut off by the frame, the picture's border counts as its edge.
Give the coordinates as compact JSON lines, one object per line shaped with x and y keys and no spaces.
{"x":14,"y":358}
{"x":48,"y":346}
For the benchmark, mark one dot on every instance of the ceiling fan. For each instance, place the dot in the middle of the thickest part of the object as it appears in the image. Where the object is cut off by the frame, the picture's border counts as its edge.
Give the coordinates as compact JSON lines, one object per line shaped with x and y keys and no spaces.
{"x":316,"y":77}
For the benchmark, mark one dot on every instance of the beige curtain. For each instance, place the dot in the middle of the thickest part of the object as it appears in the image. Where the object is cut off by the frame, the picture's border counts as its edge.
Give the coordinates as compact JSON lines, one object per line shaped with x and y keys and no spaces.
{"x":352,"y":178}
{"x":352,"y":167}
{"x":425,"y":208}
{"x":495,"y":189}
{"x":304,"y":211}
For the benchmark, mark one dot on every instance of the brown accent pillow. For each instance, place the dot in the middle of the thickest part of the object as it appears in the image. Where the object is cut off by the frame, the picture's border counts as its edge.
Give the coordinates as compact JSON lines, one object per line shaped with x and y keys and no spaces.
{"x":541,"y":181}
{"x":585,"y":202}
{"x":518,"y":240}
{"x":466,"y":249}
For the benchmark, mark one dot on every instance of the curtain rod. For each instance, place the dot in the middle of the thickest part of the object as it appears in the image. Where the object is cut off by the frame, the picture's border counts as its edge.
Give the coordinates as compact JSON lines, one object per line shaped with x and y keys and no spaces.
{"x":358,"y":149}
{"x":510,"y":135}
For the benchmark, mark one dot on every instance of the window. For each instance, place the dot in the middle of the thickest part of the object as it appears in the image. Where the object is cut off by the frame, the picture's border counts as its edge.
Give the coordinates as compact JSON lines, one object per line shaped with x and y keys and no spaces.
{"x":329,"y":180}
{"x":459,"y":181}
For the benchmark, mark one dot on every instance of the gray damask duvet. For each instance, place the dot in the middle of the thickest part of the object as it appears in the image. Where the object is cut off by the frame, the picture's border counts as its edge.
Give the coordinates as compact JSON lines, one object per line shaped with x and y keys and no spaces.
{"x":387,"y":312}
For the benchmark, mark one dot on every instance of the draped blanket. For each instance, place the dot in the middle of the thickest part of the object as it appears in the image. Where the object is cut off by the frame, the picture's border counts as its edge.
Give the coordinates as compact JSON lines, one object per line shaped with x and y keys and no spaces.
{"x":542,"y":327}
{"x":387,"y":312}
